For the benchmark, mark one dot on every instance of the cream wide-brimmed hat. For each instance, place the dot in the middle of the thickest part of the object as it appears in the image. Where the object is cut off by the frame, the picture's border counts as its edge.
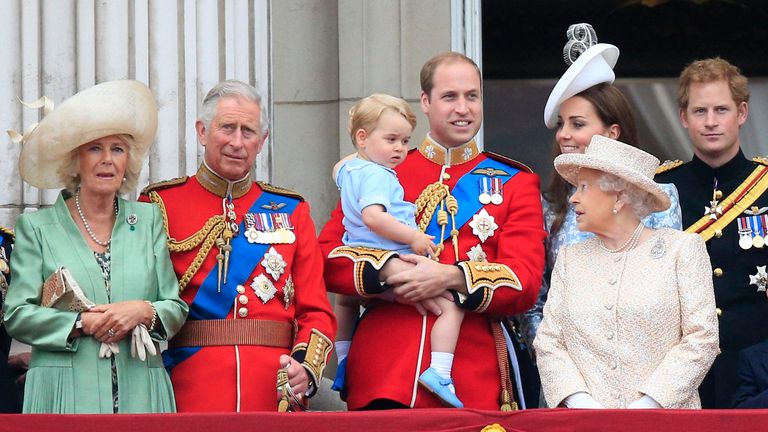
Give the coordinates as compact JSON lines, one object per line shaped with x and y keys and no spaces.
{"x":622,"y":160}
{"x":110,"y":108}
{"x":592,"y":67}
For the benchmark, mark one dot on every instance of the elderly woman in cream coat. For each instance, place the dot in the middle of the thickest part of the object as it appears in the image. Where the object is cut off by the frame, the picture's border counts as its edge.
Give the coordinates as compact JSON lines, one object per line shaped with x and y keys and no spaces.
{"x":104,"y":359}
{"x":630,"y":320}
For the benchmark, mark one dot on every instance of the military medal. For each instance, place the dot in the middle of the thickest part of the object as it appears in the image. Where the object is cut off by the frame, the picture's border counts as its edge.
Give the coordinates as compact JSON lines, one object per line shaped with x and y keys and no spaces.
{"x":745,"y":233}
{"x":483,"y":225}
{"x":760,"y":279}
{"x":263,"y":288}
{"x":274,"y":263}
{"x":497,"y":186}
{"x":476,"y":253}
{"x":269,"y":228}
{"x":758,"y":240}
{"x":288,"y":291}
{"x":485,"y":195}
{"x":715,"y":210}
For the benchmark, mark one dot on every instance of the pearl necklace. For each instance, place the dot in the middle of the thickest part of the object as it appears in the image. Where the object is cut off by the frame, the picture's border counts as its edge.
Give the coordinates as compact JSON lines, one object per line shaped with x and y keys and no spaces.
{"x":629,"y":245}
{"x":87,"y":225}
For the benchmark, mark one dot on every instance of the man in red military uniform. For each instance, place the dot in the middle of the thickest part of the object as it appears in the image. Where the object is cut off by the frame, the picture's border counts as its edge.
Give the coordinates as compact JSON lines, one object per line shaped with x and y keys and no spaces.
{"x":485,"y":211}
{"x":249,"y":266}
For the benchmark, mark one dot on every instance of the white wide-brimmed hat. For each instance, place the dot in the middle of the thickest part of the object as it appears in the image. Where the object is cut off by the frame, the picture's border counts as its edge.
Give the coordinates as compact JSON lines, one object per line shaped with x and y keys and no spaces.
{"x":110,"y":108}
{"x":622,"y":160}
{"x":594,"y":66}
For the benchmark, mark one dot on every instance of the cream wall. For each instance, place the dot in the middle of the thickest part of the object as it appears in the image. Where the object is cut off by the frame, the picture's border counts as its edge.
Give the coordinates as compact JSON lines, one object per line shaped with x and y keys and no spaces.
{"x":326,"y":55}
{"x":314,"y":58}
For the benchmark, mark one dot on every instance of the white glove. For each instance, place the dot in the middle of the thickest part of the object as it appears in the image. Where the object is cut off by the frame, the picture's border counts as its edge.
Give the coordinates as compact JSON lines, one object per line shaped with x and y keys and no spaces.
{"x":645,"y":402}
{"x":582,"y":400}
{"x":106,"y":350}
{"x":141,"y":343}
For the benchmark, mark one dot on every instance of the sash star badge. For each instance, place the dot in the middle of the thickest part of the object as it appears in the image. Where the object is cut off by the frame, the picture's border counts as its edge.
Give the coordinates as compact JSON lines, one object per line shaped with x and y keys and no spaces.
{"x":483,"y":225}
{"x":476,"y":253}
{"x":263,"y":288}
{"x":714,"y":210}
{"x":760,"y":279}
{"x":274,"y":263}
{"x":288,"y":291}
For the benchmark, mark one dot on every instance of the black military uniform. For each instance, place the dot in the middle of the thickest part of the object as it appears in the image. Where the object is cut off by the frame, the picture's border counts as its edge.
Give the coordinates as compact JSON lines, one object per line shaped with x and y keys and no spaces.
{"x":9,"y":401}
{"x":728,"y":207}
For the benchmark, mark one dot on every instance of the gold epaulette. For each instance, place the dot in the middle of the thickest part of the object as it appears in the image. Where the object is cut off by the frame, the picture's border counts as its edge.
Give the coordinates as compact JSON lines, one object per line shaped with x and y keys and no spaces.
{"x":278,"y":190}
{"x":511,"y":162}
{"x":668,"y":165}
{"x":762,"y":160}
{"x":164,"y":184}
{"x":8,"y":232}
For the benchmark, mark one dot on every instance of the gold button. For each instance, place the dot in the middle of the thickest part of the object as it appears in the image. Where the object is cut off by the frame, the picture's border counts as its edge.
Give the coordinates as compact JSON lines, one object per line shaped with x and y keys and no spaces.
{"x":718,"y":233}
{"x":719,"y":312}
{"x":718,"y":194}
{"x":718,"y":272}
{"x":240,"y":289}
{"x":243,"y":312}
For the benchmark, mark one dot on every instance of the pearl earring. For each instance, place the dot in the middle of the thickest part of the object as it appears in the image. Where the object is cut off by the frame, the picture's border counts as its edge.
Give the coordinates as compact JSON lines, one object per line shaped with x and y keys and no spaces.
{"x":615,"y":211}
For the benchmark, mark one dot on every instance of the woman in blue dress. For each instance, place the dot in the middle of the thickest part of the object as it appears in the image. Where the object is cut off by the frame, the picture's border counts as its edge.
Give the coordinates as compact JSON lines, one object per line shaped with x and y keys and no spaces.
{"x":584,"y":103}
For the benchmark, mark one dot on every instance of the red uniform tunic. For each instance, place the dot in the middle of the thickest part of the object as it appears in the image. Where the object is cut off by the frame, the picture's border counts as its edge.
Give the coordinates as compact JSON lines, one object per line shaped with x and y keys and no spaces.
{"x":214,"y":378}
{"x":391,"y":345}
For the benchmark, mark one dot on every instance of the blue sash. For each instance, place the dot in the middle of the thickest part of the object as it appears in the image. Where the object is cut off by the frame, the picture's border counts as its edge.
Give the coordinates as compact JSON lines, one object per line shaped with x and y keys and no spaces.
{"x":209,"y":303}
{"x":466,"y":193}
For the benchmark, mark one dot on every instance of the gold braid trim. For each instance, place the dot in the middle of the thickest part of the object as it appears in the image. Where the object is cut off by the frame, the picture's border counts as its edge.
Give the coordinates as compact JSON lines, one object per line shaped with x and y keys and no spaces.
{"x":155,"y":198}
{"x":438,"y":194}
{"x":428,"y":201}
{"x":668,"y":165}
{"x":205,"y":236}
{"x":488,"y":277}
{"x":207,"y":244}
{"x":376,"y":257}
{"x":318,"y":349}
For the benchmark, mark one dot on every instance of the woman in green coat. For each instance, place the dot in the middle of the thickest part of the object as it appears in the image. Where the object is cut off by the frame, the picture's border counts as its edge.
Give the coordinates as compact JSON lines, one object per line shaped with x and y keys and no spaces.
{"x":91,"y":362}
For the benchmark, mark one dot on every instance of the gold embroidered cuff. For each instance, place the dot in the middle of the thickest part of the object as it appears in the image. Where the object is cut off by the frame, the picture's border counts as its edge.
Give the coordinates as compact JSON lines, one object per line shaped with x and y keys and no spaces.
{"x":482,"y":279}
{"x":315,"y":355}
{"x":375,"y":257}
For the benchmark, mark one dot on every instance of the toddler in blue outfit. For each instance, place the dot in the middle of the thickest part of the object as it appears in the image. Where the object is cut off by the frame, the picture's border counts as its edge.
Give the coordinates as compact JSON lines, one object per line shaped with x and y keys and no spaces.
{"x":377,"y":216}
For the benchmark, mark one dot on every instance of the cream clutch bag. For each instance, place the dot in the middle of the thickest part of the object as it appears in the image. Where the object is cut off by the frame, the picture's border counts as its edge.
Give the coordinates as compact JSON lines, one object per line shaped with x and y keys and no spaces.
{"x":61,"y":291}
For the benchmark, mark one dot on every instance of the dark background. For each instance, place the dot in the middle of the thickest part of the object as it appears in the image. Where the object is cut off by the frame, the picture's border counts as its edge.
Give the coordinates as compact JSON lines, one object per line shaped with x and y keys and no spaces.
{"x":522,"y":59}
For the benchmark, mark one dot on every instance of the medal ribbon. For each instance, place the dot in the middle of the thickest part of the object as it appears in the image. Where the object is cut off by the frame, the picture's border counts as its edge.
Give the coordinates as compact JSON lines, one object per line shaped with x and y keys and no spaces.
{"x":465,"y":193}
{"x":244,"y":258}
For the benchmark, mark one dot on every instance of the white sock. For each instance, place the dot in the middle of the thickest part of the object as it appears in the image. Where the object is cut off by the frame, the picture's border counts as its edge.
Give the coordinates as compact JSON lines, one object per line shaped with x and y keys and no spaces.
{"x":442,"y":362}
{"x":342,"y":349}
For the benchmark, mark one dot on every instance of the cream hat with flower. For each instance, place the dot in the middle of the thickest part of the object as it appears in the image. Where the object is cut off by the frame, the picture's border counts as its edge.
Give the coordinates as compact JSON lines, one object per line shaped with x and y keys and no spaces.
{"x":110,"y":108}
{"x":622,"y":160}
{"x":591,"y":63}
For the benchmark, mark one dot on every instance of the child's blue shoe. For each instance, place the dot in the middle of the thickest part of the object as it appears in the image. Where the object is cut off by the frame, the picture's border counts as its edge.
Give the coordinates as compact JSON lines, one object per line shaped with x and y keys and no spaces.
{"x":341,"y":371}
{"x":440,"y":387}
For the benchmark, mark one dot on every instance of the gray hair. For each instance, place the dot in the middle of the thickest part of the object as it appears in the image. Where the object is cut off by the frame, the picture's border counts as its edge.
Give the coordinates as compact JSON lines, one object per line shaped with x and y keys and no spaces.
{"x":233,"y":89}
{"x":638,"y":200}
{"x":69,"y":169}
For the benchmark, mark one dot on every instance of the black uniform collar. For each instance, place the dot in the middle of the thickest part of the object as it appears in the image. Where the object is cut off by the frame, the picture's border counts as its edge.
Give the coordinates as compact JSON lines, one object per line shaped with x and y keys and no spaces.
{"x":731,"y":170}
